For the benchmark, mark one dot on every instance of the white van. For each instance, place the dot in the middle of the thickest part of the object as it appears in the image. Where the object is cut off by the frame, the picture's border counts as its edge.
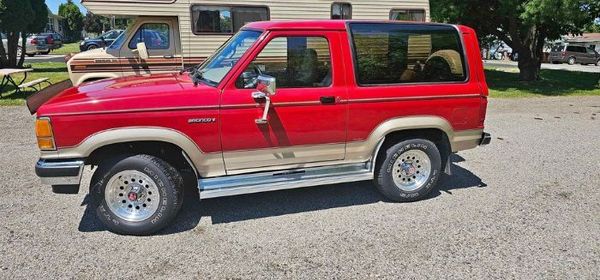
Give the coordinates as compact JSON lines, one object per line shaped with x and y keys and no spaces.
{"x":168,"y":35}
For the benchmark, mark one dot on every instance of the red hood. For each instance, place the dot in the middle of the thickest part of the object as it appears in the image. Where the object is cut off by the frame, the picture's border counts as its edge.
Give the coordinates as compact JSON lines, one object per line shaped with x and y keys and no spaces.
{"x":123,"y":94}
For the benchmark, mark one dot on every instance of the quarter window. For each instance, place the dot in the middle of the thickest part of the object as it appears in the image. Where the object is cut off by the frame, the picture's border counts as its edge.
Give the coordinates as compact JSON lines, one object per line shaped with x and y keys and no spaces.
{"x":156,"y":36}
{"x":407,"y":53}
{"x":296,"y":62}
{"x":225,"y":19}
{"x":407,"y":15}
{"x":341,"y":11}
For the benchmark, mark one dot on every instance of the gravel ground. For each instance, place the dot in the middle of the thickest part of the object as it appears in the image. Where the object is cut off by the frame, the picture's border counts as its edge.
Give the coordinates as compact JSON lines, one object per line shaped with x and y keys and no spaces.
{"x":526,"y":206}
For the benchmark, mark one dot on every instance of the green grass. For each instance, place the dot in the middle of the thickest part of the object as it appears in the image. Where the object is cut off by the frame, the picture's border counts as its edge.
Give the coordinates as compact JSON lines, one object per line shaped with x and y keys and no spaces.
{"x":67,"y":49}
{"x":552,"y":83}
{"x":54,"y":71}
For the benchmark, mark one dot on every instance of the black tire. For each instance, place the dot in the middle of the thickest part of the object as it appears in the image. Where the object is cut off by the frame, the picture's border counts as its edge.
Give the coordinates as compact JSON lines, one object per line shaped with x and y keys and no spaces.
{"x":91,"y":47}
{"x":384,"y":170}
{"x":571,"y":60}
{"x":30,"y":54}
{"x":598,"y":63}
{"x":65,"y":189}
{"x":168,"y":181}
{"x":45,"y":53}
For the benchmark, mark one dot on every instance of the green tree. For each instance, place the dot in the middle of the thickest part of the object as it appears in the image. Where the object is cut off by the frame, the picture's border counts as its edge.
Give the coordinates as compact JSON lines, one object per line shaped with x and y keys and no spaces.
{"x":94,"y":23}
{"x":18,"y":18}
{"x":524,"y":25}
{"x":72,"y":20}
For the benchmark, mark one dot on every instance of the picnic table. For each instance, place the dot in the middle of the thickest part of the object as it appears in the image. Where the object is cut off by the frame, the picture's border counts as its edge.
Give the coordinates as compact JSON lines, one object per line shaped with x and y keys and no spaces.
{"x":7,"y":78}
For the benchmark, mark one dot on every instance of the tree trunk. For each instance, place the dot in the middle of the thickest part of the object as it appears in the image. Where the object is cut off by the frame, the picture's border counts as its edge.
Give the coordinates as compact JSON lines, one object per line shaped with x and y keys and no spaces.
{"x":3,"y":58}
{"x":531,"y":53}
{"x":13,"y":43}
{"x":529,"y":66}
{"x":23,"y":50}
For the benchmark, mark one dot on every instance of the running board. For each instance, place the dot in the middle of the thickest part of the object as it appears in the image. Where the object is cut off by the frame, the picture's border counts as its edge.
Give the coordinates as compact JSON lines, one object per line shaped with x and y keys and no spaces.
{"x":284,"y":179}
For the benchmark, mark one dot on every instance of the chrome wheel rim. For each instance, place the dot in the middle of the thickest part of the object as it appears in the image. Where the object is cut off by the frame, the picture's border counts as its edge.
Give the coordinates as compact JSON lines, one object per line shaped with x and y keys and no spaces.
{"x":132,"y":195}
{"x":411,"y":170}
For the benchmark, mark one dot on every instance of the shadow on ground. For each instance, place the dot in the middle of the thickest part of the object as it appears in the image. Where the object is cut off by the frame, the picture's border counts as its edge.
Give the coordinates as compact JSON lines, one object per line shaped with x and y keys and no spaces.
{"x":278,"y":203}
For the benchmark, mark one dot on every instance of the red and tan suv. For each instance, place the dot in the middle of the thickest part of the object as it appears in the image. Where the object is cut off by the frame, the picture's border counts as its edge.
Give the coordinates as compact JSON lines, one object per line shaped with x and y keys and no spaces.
{"x":280,"y":105}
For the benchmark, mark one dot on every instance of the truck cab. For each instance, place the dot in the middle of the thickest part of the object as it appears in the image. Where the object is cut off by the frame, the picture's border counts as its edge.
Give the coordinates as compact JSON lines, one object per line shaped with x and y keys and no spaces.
{"x":162,"y":52}
{"x":280,"y":105}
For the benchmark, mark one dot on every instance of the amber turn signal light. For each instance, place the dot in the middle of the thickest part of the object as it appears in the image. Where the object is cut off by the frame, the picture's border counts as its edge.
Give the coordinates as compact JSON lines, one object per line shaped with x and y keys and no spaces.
{"x":45,"y":137}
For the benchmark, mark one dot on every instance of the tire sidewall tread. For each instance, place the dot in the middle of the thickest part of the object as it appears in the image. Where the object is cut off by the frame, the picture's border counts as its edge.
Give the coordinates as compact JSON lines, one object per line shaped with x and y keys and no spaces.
{"x":384,"y":178}
{"x":168,"y":181}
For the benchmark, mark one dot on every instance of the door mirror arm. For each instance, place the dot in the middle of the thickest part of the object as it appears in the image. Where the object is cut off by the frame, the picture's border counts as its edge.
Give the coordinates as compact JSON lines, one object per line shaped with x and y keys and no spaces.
{"x":266,"y":87}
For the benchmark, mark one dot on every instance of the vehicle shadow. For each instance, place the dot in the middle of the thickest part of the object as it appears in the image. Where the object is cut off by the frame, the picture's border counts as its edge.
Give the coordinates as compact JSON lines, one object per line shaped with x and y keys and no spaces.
{"x":278,"y":203}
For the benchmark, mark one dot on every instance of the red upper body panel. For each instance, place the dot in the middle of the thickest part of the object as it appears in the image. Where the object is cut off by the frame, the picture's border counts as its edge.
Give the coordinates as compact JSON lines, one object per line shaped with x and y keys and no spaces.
{"x":170,"y":100}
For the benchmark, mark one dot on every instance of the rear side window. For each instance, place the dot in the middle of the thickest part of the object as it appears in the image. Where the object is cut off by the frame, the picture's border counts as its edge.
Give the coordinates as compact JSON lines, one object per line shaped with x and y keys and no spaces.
{"x":576,"y":49}
{"x":225,"y":19}
{"x":407,"y":53}
{"x":155,"y":35}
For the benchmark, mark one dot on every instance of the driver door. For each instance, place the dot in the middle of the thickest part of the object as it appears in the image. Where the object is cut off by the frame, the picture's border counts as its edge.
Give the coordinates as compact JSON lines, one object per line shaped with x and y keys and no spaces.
{"x":307,"y":119}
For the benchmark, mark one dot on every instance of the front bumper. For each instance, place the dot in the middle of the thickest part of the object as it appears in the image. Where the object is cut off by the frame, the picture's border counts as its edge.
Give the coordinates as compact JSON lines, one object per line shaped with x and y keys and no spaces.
{"x":59,"y":172}
{"x":486,"y":138}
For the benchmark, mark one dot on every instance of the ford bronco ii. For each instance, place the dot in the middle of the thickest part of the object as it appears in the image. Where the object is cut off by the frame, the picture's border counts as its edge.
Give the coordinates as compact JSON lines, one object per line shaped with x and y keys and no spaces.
{"x":280,"y":105}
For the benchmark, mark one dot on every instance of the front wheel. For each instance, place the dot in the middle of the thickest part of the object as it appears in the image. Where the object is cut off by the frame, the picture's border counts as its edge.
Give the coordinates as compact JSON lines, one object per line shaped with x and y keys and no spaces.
{"x":137,"y":195}
{"x":571,"y":60}
{"x":409,"y":170}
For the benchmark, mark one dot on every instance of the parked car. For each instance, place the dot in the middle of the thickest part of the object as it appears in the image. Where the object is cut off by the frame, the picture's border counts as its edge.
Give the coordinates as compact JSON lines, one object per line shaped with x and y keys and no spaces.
{"x":280,"y":105}
{"x":54,"y":40}
{"x":34,"y":45}
{"x":572,"y":54}
{"x":104,"y":40}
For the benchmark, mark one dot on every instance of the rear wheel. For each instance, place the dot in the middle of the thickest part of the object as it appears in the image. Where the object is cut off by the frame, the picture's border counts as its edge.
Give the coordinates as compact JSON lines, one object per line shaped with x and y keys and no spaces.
{"x":137,"y":195}
{"x":571,"y":60}
{"x":92,"y":47}
{"x":409,"y":171}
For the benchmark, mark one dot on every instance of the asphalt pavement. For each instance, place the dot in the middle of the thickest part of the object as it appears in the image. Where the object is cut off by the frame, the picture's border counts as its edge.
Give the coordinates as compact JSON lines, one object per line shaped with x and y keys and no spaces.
{"x":524,"y":207}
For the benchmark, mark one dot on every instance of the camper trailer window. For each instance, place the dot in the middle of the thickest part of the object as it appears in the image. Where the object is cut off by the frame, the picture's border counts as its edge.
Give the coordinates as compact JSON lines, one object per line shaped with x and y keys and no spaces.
{"x":407,"y":53}
{"x":155,"y":35}
{"x":341,"y":11}
{"x":407,"y":15}
{"x":225,"y":19}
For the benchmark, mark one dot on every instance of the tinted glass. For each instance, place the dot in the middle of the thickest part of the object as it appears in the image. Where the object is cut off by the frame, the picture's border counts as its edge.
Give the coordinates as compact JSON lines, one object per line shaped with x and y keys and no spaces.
{"x":155,"y":35}
{"x":407,"y":53}
{"x":296,"y":62}
{"x":558,"y":48}
{"x":228,"y":19}
{"x":408,"y":15}
{"x":341,"y":11}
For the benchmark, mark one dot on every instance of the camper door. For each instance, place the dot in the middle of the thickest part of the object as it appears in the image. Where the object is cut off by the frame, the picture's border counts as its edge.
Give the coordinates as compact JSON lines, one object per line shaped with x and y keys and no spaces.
{"x":162,"y":43}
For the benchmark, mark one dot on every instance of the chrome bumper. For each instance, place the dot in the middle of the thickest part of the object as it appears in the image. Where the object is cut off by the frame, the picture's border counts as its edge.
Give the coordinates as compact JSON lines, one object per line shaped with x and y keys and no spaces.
{"x":63,"y":172}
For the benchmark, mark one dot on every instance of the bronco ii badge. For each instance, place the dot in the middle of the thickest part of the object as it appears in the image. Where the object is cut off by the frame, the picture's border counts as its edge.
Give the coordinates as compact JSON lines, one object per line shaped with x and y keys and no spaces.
{"x":202,"y":120}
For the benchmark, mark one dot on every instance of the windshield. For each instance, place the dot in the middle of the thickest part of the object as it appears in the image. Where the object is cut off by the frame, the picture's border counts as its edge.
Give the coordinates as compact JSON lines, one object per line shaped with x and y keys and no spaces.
{"x":214,"y":69}
{"x":118,"y":42}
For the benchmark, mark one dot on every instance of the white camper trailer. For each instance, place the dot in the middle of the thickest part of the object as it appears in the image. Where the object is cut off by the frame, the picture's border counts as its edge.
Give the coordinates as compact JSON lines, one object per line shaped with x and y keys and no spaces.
{"x":168,"y":35}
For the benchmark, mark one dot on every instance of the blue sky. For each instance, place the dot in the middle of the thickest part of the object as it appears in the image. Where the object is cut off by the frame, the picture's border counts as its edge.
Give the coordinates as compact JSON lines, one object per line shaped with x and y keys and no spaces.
{"x":53,"y":5}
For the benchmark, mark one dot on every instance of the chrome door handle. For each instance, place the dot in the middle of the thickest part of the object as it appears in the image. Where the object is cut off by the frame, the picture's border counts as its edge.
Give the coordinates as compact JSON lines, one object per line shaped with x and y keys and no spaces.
{"x":261,"y":95}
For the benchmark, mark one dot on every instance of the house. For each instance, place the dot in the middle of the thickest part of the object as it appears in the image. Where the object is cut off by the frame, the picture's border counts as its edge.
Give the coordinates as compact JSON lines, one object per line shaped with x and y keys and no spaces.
{"x":588,"y":40}
{"x":54,"y":24}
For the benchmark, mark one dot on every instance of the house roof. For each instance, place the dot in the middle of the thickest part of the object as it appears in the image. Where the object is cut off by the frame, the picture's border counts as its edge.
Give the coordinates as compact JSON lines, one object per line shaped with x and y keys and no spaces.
{"x":585,"y":38}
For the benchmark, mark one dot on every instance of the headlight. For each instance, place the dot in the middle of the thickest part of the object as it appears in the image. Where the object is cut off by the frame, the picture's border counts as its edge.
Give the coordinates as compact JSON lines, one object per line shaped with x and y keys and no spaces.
{"x":44,"y":134}
{"x":82,"y":43}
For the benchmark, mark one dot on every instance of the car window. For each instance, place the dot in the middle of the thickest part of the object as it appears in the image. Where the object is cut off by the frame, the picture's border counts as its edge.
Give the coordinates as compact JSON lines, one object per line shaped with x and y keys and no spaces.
{"x":156,"y":36}
{"x":295,"y":62}
{"x":407,"y":15}
{"x":558,"y":48}
{"x":407,"y":53}
{"x":341,"y":11}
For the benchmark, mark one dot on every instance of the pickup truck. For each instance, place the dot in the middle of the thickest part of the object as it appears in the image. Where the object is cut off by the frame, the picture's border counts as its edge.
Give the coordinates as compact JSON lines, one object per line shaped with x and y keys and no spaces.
{"x":280,"y":105}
